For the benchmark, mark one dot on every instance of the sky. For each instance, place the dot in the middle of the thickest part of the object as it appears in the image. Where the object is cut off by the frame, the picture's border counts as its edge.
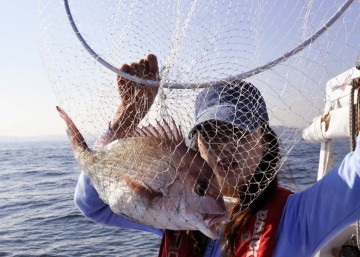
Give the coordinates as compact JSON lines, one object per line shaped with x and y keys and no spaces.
{"x":27,"y":102}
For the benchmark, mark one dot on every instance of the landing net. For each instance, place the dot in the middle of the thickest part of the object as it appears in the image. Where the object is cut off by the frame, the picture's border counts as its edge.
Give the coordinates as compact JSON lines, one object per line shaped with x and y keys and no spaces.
{"x":287,"y":49}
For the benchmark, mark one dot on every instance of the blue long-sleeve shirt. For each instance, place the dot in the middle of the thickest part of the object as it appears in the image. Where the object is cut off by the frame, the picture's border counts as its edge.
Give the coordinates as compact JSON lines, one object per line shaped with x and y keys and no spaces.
{"x":310,"y":219}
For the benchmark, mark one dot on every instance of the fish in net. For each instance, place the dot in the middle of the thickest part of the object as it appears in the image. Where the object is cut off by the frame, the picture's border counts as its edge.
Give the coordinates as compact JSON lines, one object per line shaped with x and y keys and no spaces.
{"x":286,"y":51}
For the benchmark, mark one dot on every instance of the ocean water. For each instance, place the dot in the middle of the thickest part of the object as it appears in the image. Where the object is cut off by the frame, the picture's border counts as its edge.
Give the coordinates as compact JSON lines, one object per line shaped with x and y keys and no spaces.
{"x":38,"y":216}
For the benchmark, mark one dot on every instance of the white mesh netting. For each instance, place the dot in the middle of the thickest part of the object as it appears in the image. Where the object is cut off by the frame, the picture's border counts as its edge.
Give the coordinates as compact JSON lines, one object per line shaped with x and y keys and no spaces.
{"x":195,"y":42}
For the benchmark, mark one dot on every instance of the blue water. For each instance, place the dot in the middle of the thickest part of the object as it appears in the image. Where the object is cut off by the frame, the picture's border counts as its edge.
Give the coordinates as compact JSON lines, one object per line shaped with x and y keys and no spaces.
{"x":38,"y":216}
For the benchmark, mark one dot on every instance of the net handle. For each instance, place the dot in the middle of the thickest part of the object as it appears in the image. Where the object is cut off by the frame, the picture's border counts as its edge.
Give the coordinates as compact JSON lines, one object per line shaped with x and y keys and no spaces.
{"x":226,"y":80}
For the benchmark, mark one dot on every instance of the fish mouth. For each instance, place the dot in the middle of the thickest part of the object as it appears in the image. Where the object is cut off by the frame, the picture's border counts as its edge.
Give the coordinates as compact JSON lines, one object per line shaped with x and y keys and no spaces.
{"x":212,"y":224}
{"x":214,"y":220}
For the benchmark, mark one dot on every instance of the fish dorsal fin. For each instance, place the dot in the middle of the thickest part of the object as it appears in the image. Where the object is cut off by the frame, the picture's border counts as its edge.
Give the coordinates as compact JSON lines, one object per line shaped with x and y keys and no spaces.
{"x":163,"y":131}
{"x":105,"y":139}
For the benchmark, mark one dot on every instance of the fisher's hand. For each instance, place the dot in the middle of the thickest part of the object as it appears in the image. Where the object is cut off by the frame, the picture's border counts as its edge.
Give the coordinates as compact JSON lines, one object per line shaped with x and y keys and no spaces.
{"x":136,"y":99}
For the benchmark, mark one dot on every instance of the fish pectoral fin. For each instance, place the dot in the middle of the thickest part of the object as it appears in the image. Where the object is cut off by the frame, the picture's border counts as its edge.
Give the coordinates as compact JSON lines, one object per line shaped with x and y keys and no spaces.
{"x":142,"y":189}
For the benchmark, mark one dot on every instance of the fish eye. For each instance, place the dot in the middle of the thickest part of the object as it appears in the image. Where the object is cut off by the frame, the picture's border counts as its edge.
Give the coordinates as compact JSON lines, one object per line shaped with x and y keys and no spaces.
{"x":201,"y":187}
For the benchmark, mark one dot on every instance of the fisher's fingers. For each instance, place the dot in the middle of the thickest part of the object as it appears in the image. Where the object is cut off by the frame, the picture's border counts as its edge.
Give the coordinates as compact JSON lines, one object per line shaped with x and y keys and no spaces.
{"x":142,"y":69}
{"x":137,"y":69}
{"x":153,"y":73}
{"x":122,"y":81}
{"x":146,"y":69}
{"x":134,"y":69}
{"x":125,"y":86}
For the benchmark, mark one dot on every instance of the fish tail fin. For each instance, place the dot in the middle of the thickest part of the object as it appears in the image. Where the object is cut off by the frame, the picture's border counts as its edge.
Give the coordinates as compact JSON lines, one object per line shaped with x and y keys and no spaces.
{"x":76,"y":139}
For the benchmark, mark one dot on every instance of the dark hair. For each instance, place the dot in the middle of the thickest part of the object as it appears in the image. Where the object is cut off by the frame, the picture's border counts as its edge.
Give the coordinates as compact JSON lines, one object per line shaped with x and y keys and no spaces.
{"x":268,"y":167}
{"x":241,"y":211}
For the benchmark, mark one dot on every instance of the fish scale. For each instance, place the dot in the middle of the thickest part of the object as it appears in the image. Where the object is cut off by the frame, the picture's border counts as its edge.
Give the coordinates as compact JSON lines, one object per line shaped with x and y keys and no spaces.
{"x":127,"y":158}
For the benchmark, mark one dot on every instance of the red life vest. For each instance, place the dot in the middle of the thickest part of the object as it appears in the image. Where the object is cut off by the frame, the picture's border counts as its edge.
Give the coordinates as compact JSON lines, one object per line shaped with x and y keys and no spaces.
{"x":259,"y":238}
{"x":177,"y":244}
{"x":257,"y":241}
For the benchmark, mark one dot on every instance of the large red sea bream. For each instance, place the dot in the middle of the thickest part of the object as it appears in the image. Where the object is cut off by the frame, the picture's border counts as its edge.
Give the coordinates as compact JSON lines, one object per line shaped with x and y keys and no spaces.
{"x":153,"y":178}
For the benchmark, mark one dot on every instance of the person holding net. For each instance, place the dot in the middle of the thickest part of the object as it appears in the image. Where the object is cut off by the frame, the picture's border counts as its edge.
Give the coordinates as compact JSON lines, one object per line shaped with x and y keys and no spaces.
{"x":233,"y":136}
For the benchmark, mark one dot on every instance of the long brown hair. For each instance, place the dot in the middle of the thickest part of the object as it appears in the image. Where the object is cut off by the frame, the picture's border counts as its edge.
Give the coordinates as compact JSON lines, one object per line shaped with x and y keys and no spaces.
{"x":240,"y":217}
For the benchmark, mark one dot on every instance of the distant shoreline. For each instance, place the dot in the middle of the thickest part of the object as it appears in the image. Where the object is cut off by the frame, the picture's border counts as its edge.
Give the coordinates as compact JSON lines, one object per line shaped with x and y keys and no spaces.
{"x":46,"y":138}
{"x":14,"y":139}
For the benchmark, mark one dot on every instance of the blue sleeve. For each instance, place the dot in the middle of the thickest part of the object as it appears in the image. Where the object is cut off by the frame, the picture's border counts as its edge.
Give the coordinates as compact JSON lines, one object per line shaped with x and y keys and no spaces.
{"x":311,"y":218}
{"x":92,"y":206}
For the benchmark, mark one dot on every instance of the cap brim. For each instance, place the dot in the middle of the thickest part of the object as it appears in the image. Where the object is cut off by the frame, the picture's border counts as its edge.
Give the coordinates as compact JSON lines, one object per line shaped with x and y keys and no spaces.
{"x":243,"y":119}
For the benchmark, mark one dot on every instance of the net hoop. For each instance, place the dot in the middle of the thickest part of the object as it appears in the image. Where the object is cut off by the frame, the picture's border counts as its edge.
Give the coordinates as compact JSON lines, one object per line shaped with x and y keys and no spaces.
{"x":226,"y":80}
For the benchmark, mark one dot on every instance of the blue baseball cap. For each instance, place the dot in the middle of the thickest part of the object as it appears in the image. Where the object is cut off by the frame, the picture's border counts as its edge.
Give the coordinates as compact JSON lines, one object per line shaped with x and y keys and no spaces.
{"x":239,"y":103}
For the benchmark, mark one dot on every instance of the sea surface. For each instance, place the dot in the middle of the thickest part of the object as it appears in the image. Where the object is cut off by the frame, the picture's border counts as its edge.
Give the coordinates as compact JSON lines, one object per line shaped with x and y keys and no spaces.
{"x":38,"y":216}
